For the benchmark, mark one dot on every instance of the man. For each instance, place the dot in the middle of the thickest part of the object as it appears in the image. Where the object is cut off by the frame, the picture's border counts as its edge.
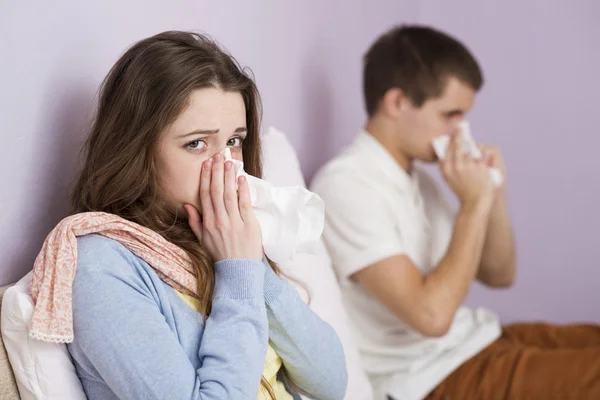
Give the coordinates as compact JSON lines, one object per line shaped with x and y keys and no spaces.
{"x":406,"y":260}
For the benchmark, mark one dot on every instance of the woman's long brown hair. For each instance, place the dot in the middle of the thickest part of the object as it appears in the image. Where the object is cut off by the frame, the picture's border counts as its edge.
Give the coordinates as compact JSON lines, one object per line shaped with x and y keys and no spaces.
{"x":142,"y":95}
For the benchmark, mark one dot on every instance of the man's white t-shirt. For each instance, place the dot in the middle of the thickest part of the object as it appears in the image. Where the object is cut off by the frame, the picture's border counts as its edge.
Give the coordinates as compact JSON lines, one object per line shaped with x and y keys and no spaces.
{"x":375,"y":210}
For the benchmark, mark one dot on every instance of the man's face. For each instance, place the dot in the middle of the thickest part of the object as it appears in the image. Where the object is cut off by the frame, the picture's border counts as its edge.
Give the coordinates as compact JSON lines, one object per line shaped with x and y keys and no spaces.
{"x":436,"y":117}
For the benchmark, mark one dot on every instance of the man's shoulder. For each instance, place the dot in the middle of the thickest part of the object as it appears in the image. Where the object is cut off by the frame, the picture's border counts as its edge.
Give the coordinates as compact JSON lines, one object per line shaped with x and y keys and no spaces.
{"x":340,"y":183}
{"x":349,"y":170}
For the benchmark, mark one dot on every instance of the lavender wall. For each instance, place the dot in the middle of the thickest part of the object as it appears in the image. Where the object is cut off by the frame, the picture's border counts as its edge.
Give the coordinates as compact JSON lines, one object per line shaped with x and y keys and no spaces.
{"x":541,"y":61}
{"x":53,"y":57}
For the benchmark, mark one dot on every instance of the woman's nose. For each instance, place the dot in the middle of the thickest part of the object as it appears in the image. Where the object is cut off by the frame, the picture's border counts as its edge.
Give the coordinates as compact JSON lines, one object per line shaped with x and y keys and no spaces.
{"x":221,"y":151}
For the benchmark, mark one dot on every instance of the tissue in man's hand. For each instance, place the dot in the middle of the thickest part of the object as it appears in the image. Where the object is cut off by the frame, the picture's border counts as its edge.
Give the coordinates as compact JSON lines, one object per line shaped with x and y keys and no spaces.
{"x":440,"y":146}
{"x":291,"y":218}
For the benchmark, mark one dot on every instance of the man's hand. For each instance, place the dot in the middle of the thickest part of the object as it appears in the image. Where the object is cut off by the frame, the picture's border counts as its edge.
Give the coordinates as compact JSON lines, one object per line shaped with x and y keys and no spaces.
{"x":467,"y":177}
{"x":492,"y":156}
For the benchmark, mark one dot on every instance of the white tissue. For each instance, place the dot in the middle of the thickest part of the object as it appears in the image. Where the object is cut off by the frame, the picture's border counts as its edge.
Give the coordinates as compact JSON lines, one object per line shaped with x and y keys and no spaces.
{"x":440,"y":146}
{"x":291,"y":218}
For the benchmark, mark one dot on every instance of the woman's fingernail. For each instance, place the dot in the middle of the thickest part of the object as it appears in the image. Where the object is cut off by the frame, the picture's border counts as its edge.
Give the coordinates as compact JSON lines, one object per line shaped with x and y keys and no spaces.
{"x":227,"y":165}
{"x":207,"y":165}
{"x":218,"y":157}
{"x":242,"y":179}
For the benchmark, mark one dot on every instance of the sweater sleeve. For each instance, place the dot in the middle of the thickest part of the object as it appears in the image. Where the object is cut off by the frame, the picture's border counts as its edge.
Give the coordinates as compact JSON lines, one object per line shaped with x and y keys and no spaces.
{"x":311,"y":351}
{"x":121,"y":332}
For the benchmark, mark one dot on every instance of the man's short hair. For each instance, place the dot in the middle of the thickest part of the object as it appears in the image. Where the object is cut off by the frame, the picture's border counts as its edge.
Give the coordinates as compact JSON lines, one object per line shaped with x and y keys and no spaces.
{"x":419,"y":60}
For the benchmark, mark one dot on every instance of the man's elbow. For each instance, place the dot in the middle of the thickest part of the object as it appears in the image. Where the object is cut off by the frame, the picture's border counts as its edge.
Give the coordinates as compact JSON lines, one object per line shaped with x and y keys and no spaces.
{"x":434,"y":324}
{"x":498,"y":281}
{"x":501,"y":277}
{"x":505,"y":281}
{"x":428,"y":317}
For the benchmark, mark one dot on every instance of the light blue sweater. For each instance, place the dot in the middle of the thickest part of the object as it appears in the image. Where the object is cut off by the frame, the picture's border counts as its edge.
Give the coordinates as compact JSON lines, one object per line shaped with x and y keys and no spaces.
{"x":135,"y":338}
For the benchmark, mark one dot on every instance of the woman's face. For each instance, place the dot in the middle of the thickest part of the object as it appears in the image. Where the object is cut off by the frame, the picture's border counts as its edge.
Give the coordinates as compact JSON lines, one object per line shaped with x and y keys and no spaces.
{"x":213,"y":120}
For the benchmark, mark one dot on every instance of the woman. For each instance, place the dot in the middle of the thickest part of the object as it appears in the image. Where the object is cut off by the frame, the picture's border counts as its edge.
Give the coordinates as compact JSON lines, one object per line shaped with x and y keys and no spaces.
{"x":166,"y":110}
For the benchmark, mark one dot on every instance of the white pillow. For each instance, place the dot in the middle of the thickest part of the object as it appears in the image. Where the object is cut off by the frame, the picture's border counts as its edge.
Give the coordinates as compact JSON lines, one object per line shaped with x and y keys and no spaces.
{"x":43,"y":371}
{"x":281,"y":167}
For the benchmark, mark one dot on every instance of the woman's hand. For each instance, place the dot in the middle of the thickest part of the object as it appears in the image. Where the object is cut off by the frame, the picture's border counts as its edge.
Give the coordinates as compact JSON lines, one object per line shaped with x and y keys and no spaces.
{"x":228,"y":227}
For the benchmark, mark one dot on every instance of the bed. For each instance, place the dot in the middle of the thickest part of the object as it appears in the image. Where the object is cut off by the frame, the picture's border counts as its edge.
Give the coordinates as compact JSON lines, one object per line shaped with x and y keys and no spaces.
{"x":8,"y":386}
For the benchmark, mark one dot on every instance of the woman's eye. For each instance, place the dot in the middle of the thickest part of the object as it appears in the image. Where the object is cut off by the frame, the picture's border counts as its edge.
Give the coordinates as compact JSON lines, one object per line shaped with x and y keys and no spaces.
{"x":235,"y":142}
{"x":196,"y":145}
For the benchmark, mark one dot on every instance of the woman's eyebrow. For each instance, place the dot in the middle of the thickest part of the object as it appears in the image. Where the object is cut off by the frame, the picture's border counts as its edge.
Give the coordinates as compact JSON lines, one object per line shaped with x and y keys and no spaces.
{"x":200,"y":132}
{"x":209,"y":132}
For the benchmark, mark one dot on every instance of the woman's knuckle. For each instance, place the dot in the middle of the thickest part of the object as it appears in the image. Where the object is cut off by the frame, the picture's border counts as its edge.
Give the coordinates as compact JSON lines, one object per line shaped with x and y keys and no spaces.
{"x":208,"y":227}
{"x":221,"y":224}
{"x":230,"y":197}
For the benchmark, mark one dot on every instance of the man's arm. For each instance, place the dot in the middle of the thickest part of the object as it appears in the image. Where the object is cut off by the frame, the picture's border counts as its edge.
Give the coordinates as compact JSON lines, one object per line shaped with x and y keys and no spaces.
{"x":497,"y":267}
{"x":428,"y":303}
